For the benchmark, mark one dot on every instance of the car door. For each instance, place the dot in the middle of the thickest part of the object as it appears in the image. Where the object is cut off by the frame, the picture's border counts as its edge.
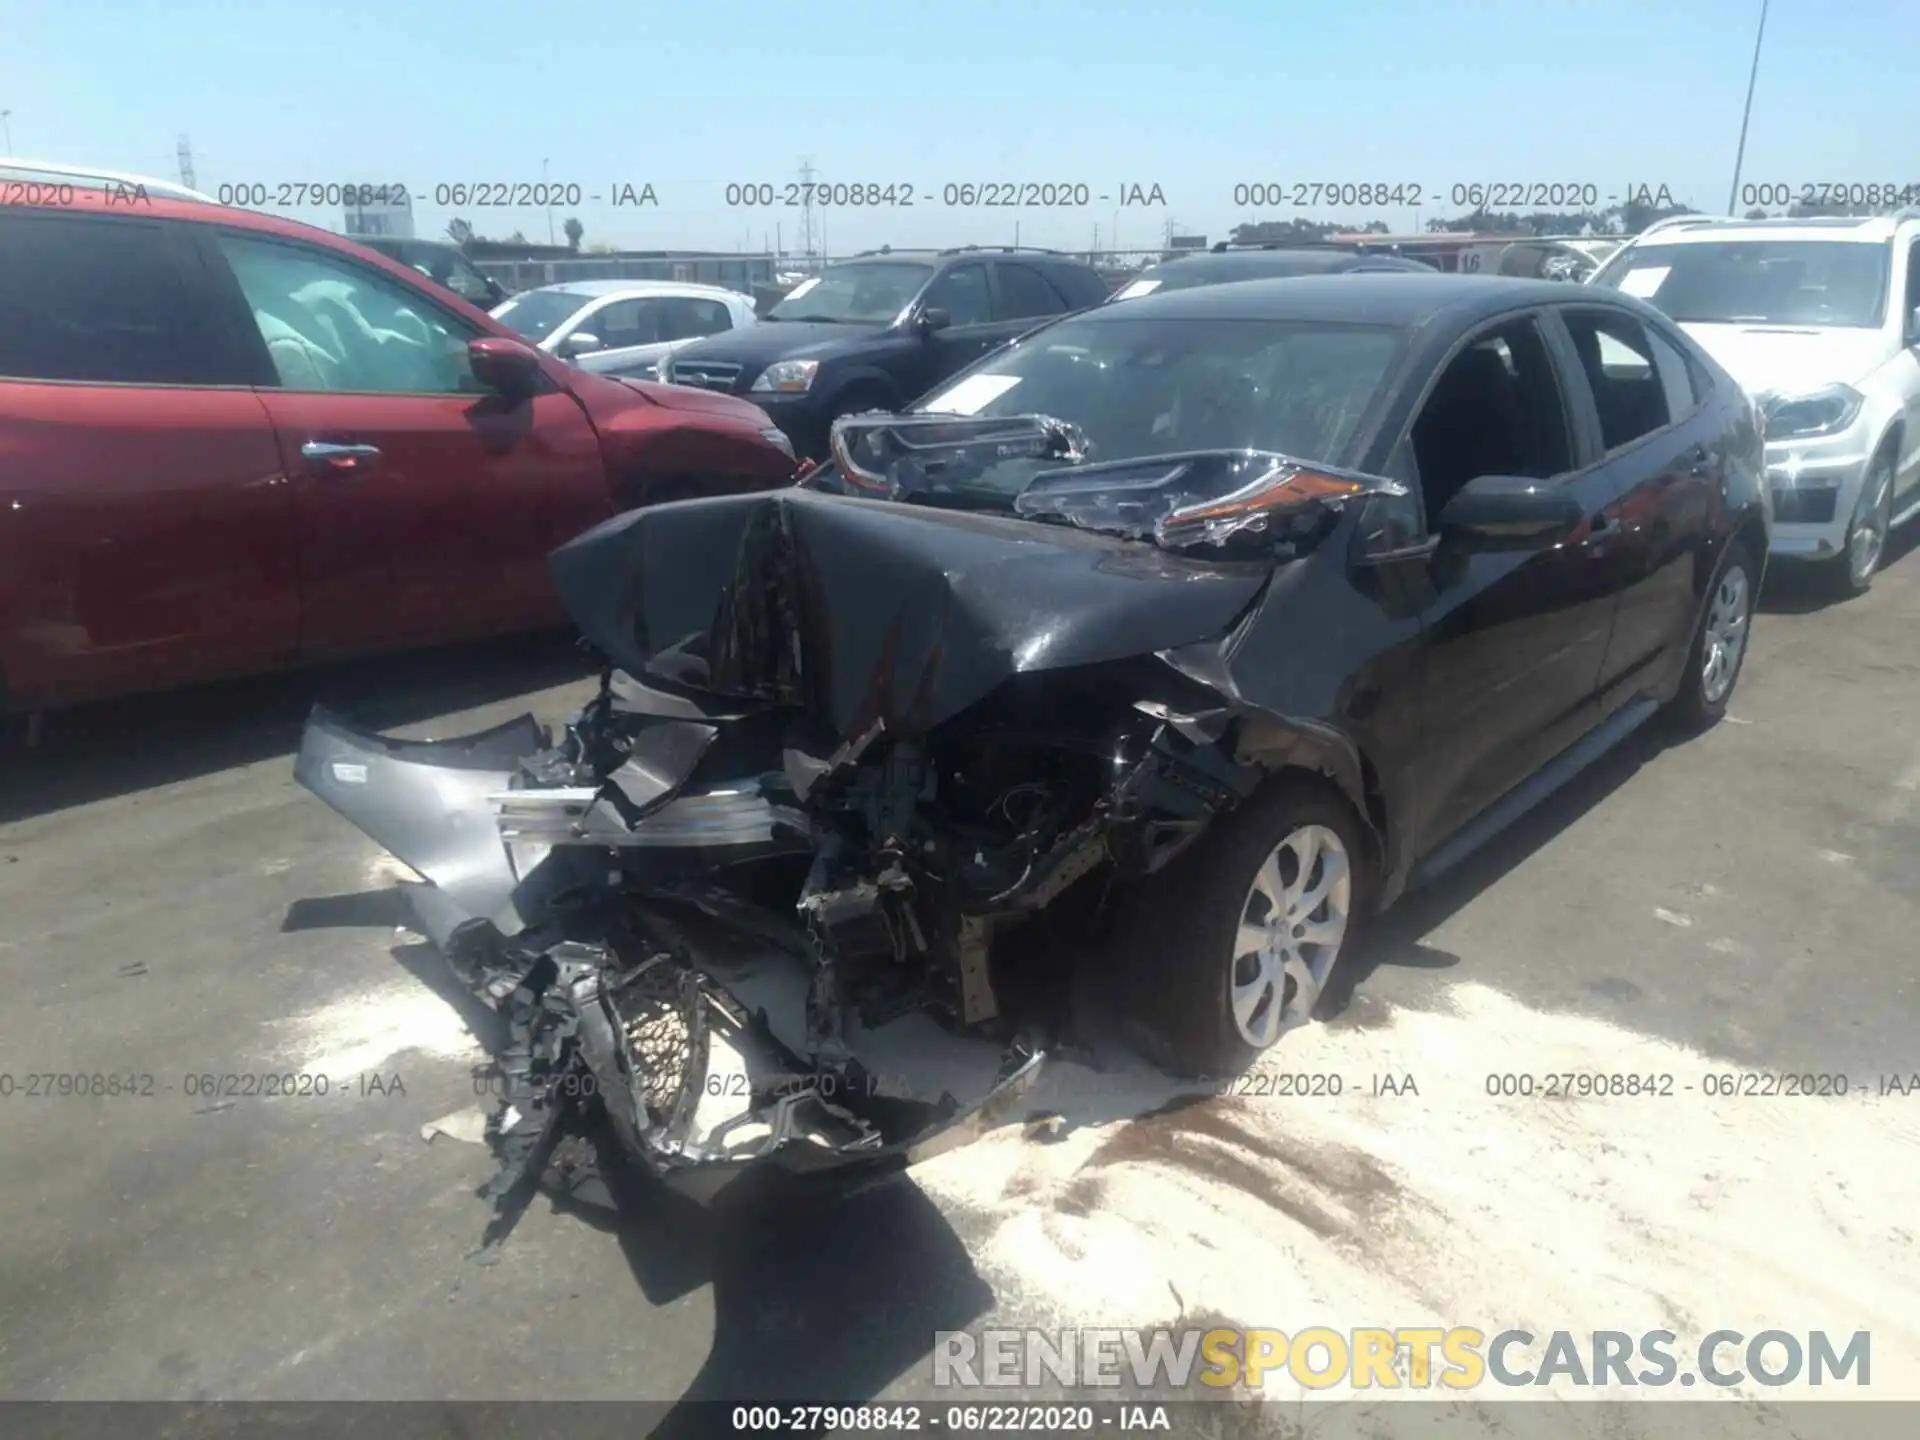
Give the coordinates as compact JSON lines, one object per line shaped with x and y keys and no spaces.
{"x":645,"y":329}
{"x":1513,"y":639}
{"x":426,"y":505}
{"x":1024,"y":294}
{"x":146,"y":531}
{"x":623,"y":328}
{"x":965,"y":293}
{"x":1662,"y":463}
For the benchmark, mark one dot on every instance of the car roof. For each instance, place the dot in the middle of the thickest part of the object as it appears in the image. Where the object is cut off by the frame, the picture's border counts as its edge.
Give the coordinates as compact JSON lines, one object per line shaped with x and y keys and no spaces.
{"x":891,"y":257}
{"x":1862,"y":229}
{"x":402,"y":242}
{"x":595,"y":289}
{"x":1397,"y":298}
{"x":960,"y":253}
{"x":93,"y":200}
{"x":1250,"y":263}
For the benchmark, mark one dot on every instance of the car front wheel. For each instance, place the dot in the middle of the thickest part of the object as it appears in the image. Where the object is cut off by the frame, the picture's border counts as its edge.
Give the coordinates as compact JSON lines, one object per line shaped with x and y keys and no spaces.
{"x":1851,"y":571}
{"x":1237,"y":939}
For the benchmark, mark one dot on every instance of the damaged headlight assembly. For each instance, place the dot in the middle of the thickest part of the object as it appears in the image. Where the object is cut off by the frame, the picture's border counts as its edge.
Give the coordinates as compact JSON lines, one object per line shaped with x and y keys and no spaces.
{"x":1205,"y":500}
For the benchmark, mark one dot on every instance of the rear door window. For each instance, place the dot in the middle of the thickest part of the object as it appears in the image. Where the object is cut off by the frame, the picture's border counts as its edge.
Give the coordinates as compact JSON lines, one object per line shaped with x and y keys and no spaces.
{"x":106,"y":300}
{"x":688,"y":318}
{"x":1618,"y":360}
{"x":1026,"y":293}
{"x":626,"y":323}
{"x":1676,"y":376}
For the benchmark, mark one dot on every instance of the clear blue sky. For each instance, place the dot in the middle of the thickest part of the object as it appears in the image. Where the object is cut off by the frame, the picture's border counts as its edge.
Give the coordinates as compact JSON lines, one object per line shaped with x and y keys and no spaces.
{"x":1194,"y":97}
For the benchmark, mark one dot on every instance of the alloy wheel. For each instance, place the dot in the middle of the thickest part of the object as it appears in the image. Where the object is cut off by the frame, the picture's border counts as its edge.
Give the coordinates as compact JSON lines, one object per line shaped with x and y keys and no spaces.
{"x":1726,"y":636}
{"x":1291,"y":927}
{"x":1867,"y":538}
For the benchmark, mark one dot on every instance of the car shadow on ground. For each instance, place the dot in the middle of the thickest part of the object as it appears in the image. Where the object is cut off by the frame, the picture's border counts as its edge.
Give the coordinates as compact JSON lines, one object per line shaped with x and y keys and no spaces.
{"x":1794,"y":589}
{"x":1397,"y":937}
{"x":118,"y":747}
{"x":817,"y":1297}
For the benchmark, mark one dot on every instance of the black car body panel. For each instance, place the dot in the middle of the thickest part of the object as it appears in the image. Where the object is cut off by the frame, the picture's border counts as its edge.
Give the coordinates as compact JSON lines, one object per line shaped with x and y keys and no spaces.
{"x":1225,"y":267}
{"x":882,"y":736}
{"x":864,"y":612}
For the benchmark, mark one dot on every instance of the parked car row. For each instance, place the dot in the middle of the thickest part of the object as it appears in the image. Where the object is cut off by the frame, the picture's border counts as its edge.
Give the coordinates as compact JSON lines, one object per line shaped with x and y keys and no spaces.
{"x":235,"y":442}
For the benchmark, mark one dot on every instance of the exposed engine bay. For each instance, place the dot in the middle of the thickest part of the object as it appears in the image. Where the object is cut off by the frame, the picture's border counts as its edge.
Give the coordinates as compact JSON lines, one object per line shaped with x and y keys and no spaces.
{"x":883,"y":749}
{"x":882,"y":873}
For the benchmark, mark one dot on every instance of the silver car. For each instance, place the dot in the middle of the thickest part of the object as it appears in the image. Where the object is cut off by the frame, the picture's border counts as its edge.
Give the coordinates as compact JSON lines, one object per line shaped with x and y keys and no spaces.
{"x":623,"y":327}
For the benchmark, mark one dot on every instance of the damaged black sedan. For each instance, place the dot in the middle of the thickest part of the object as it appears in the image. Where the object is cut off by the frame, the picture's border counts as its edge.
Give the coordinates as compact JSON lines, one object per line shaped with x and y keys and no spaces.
{"x":1208,"y":623}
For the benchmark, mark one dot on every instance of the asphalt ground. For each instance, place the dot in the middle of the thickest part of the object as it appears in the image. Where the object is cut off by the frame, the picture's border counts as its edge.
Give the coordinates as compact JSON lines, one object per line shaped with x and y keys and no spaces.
{"x":172,"y":906}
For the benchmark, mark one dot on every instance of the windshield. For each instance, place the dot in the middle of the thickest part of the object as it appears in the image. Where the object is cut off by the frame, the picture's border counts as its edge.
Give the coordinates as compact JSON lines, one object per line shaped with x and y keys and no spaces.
{"x":1758,"y":282}
{"x":1138,"y":388}
{"x":538,"y":313}
{"x":857,"y":294}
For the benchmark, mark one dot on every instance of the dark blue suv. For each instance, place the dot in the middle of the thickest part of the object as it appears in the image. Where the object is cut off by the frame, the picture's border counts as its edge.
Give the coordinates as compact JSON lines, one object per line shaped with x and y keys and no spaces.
{"x":881,"y":329}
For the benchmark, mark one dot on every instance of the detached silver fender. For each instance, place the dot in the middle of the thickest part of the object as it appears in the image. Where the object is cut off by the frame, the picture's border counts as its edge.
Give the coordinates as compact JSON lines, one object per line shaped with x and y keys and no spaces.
{"x":427,"y":802}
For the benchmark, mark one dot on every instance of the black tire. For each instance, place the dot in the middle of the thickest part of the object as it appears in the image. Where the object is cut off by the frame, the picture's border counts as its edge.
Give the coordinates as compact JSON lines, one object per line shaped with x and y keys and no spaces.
{"x":1182,"y":924}
{"x":1838,"y":575}
{"x":1694,"y":708}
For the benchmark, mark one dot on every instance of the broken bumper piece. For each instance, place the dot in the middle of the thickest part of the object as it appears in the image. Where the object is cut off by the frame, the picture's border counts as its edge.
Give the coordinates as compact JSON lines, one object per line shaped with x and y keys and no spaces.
{"x":538,"y":897}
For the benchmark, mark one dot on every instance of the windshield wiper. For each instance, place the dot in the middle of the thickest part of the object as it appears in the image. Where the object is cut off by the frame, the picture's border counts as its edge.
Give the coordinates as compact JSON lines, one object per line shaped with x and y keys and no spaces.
{"x":811,"y":319}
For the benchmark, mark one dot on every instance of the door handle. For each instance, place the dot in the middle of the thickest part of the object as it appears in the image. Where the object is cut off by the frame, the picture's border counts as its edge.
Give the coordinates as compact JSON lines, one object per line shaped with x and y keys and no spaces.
{"x":324,"y":458}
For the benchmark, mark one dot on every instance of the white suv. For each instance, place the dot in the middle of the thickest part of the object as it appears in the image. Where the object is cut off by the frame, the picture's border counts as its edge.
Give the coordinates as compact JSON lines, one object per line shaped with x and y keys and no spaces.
{"x":1819,"y":320}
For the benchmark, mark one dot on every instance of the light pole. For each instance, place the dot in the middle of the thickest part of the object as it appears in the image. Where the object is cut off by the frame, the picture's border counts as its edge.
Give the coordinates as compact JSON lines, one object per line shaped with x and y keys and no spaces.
{"x":6,"y":129}
{"x":1740,"y":155}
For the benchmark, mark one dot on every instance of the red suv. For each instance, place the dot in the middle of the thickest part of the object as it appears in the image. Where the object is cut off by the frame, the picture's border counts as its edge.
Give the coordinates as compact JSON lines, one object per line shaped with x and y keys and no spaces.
{"x":231,"y":443}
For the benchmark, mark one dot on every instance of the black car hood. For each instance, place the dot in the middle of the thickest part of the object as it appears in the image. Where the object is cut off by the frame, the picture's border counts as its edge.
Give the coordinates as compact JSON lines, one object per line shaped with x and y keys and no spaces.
{"x":861,"y":611}
{"x":770,"y":340}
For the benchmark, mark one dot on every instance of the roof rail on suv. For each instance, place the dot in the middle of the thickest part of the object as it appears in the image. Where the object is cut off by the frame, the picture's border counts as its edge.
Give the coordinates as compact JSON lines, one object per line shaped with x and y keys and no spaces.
{"x":14,"y":167}
{"x":1688,"y":222}
{"x":1222,"y":247}
{"x":1001,"y":249}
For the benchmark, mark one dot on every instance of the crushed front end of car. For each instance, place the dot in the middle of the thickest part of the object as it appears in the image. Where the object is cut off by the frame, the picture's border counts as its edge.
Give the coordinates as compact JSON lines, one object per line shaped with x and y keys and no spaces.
{"x":750,"y":911}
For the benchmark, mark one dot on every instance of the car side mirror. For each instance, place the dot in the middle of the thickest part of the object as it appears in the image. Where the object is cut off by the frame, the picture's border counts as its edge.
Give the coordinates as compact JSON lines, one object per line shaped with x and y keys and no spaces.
{"x":1494,"y":513}
{"x":581,"y":342}
{"x":504,"y":365}
{"x":932,"y":319}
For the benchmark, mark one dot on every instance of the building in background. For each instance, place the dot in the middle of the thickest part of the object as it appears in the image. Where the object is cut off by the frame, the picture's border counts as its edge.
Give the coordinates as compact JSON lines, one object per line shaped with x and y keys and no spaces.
{"x":391,"y":217}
